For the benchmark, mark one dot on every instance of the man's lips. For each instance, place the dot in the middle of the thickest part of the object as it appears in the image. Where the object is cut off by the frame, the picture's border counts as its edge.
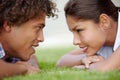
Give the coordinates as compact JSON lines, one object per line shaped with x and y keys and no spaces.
{"x":35,"y":45}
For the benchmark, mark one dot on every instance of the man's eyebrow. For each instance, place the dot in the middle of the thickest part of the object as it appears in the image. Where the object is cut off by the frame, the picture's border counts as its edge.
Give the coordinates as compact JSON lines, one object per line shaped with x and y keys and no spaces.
{"x":42,"y":25}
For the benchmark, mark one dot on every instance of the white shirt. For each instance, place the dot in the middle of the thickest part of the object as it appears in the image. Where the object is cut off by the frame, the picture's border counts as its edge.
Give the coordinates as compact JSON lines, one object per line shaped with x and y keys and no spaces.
{"x":117,"y":41}
{"x":106,"y":51}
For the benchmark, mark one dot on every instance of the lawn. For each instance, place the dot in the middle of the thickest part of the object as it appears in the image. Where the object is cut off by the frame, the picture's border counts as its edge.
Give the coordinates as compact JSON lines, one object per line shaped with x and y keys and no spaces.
{"x":47,"y":59}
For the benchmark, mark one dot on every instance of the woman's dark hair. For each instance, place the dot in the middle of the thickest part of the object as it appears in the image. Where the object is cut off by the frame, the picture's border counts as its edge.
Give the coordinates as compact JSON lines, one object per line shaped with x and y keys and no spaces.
{"x":16,"y":12}
{"x":91,"y":9}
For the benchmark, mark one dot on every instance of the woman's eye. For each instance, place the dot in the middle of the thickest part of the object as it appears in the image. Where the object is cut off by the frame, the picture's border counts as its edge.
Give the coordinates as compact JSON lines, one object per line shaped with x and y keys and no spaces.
{"x":79,"y":30}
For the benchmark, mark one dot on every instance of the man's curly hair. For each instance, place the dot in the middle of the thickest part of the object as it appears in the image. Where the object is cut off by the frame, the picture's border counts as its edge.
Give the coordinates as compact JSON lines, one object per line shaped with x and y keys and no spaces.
{"x":16,"y":12}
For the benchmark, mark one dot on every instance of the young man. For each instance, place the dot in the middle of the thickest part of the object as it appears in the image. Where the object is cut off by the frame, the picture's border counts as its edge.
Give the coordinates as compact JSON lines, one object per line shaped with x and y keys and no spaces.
{"x":21,"y":29}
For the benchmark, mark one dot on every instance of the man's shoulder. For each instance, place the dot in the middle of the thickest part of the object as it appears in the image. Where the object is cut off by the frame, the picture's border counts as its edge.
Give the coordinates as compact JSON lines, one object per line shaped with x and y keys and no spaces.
{"x":2,"y":53}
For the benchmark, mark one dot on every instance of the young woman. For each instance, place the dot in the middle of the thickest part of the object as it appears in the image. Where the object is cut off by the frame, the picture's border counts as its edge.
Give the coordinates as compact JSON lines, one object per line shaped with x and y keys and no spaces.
{"x":96,"y":30}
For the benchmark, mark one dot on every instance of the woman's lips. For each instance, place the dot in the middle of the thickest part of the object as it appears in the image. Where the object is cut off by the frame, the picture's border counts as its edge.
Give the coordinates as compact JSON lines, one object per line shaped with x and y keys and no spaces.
{"x":84,"y":49}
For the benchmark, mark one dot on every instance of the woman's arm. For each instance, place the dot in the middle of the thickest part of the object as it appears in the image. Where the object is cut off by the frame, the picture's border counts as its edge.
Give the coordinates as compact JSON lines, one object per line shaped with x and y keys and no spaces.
{"x":113,"y":62}
{"x":71,"y":59}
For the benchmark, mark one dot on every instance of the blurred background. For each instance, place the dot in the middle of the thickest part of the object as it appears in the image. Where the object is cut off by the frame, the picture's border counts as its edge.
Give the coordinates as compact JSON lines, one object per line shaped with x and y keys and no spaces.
{"x":56,"y":33}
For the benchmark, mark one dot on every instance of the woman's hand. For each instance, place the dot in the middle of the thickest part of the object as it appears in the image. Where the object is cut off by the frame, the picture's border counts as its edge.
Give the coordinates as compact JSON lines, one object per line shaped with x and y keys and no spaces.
{"x":86,"y":61}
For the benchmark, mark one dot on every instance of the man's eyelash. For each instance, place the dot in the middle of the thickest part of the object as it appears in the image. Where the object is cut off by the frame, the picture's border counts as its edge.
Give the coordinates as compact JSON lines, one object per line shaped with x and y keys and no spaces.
{"x":39,"y":27}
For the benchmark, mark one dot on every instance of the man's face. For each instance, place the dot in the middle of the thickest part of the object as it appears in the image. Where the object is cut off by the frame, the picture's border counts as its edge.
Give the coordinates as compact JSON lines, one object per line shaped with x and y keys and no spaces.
{"x":22,"y":39}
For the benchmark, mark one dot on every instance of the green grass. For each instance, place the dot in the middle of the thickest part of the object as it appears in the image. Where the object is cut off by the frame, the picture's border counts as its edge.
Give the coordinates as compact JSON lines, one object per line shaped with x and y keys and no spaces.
{"x":47,"y":59}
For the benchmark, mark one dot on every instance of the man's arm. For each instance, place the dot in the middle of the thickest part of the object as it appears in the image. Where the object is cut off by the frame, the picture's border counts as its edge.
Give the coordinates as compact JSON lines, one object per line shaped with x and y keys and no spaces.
{"x":20,"y":67}
{"x":112,"y":63}
{"x":31,"y":65}
{"x":9,"y":69}
{"x":33,"y":61}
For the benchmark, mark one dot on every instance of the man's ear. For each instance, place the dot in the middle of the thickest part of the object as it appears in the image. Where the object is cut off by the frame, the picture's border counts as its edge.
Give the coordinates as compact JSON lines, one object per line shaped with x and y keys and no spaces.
{"x":105,"y":21}
{"x":7,"y":26}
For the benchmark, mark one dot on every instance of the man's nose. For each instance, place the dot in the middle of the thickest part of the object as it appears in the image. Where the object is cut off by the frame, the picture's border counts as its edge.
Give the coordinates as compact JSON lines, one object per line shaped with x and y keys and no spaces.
{"x":40,"y":36}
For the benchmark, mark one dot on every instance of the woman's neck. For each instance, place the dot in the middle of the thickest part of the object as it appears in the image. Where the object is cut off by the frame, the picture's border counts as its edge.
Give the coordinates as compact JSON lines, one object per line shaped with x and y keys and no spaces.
{"x":112,"y":34}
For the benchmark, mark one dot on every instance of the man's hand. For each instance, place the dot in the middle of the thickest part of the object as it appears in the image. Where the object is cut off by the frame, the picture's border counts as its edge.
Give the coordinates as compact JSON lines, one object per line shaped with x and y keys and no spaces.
{"x":30,"y":68}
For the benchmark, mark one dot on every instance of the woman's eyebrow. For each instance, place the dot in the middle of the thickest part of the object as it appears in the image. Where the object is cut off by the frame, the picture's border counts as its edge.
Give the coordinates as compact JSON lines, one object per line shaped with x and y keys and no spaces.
{"x":72,"y":29}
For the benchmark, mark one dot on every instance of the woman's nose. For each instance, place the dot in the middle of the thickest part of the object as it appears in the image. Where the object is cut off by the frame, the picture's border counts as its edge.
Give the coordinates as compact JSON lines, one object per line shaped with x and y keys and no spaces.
{"x":76,"y":40}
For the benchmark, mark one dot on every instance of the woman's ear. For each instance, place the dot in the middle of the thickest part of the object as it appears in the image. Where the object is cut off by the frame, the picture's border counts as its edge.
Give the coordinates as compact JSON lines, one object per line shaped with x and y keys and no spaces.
{"x":7,"y":26}
{"x":105,"y":21}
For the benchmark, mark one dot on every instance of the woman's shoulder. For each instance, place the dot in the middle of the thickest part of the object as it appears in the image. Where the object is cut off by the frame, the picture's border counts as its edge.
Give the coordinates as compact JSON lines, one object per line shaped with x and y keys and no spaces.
{"x":105,"y":51}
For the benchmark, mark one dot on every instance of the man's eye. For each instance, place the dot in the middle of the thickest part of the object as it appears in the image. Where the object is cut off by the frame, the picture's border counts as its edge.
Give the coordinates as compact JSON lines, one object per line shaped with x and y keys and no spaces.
{"x":39,"y":27}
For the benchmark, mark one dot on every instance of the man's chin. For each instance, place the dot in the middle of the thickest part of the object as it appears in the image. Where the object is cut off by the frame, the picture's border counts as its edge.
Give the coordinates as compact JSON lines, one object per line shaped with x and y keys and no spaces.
{"x":25,"y":58}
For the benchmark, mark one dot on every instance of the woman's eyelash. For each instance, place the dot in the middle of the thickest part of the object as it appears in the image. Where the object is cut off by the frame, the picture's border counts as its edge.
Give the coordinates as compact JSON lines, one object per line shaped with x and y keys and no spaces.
{"x":78,"y":30}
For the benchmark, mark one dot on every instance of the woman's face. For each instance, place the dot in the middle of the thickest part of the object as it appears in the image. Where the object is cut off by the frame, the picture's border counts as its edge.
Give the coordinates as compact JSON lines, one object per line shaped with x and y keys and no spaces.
{"x":87,"y":34}
{"x":21,"y":40}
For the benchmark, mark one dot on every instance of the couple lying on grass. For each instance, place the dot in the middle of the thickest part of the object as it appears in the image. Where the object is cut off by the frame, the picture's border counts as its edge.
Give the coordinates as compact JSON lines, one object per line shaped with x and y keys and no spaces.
{"x":94,"y":24}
